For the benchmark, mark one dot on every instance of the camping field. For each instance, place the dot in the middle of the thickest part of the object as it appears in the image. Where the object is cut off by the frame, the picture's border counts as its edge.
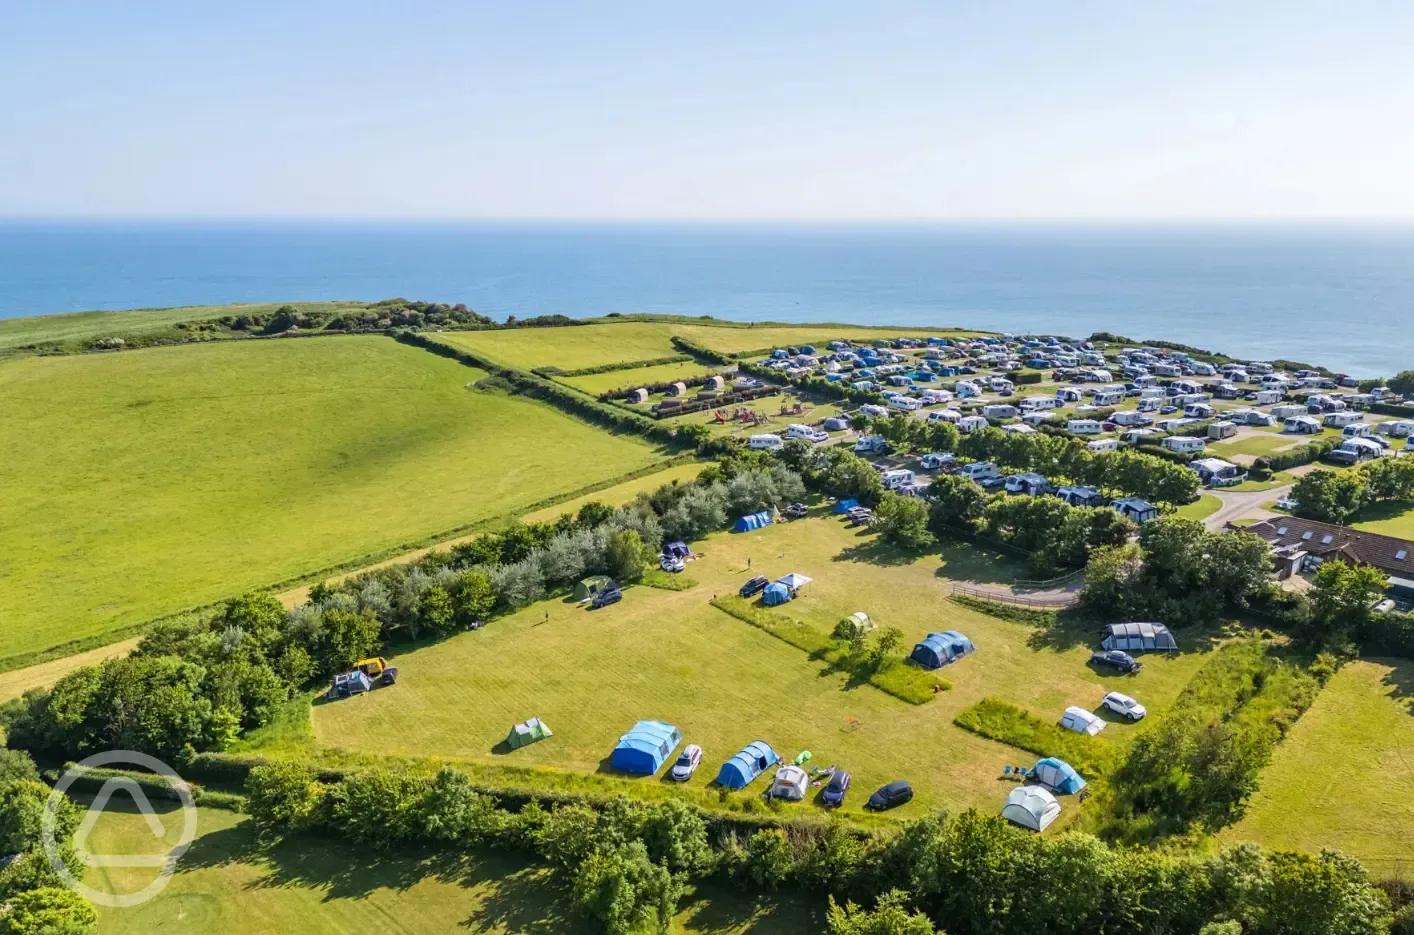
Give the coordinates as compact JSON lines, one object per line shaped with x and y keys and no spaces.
{"x":1344,"y":776}
{"x":596,"y":383}
{"x":148,"y":481}
{"x":1389,"y":518}
{"x":671,"y":656}
{"x":226,"y":883}
{"x":619,"y":494}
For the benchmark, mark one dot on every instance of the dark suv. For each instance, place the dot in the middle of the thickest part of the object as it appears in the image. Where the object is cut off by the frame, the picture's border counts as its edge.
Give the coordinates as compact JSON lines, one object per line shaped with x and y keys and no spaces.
{"x":1115,"y":659}
{"x":754,"y":586}
{"x":609,"y":594}
{"x":890,"y":796}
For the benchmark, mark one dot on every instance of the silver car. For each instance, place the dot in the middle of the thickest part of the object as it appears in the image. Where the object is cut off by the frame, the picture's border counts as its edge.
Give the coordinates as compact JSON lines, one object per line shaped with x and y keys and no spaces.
{"x":687,"y":763}
{"x":1125,"y":706}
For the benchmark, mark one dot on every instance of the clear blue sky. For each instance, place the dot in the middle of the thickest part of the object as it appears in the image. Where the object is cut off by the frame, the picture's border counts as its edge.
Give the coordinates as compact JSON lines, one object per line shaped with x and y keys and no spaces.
{"x":820,"y":109}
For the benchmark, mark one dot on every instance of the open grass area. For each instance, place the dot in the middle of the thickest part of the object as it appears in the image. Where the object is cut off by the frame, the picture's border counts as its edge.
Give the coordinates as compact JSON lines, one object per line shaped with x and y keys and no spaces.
{"x":76,"y":327}
{"x":738,"y":340}
{"x":596,"y":383}
{"x":1256,"y":445}
{"x":1344,"y":776}
{"x":669,"y":655}
{"x":619,"y":494}
{"x":1201,"y":508}
{"x":144,"y":482}
{"x":1388,"y":517}
{"x":310,"y":886}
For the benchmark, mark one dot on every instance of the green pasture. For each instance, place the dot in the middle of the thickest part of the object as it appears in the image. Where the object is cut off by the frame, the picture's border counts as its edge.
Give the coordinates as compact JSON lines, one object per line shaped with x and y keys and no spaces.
{"x":1389,"y":518}
{"x":143,"y":482}
{"x":671,"y":656}
{"x":1344,"y":776}
{"x":1256,"y":445}
{"x":619,"y":494}
{"x":596,"y":383}
{"x":1201,"y":508}
{"x":228,"y":882}
{"x":740,"y":339}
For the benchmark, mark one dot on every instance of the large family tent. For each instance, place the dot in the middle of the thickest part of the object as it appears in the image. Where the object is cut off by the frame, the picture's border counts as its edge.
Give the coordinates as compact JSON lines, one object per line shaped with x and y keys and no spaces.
{"x":1081,"y":721}
{"x":1031,"y":807}
{"x":588,"y":587}
{"x":938,"y":649}
{"x":751,"y":762}
{"x":844,"y":506}
{"x":527,"y":732}
{"x":1059,"y":775}
{"x":646,"y":747}
{"x":752,"y":521}
{"x":1139,"y":637}
{"x":774,"y":594}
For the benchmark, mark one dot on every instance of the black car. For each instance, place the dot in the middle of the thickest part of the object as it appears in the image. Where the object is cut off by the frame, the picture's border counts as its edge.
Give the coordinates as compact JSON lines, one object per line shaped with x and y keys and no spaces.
{"x":609,"y":594}
{"x":754,"y":586}
{"x":891,"y":796}
{"x":1168,"y":410}
{"x":836,"y":788}
{"x":1115,"y":659}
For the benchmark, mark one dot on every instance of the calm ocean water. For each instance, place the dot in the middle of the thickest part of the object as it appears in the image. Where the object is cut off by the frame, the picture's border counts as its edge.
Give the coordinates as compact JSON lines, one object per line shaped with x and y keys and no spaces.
{"x":1343,"y":297}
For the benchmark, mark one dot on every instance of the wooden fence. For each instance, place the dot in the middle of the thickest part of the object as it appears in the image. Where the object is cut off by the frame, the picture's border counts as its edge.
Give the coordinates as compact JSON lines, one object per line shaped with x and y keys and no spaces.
{"x":1002,"y":597}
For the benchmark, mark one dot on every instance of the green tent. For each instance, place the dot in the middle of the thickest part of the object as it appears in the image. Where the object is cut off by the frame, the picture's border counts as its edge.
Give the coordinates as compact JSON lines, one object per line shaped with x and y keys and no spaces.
{"x":527,"y":733}
{"x":590,"y":586}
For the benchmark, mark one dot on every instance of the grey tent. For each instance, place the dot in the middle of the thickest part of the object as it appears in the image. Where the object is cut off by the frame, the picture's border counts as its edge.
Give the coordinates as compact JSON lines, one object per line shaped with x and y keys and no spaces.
{"x":590,"y":586}
{"x":527,"y":732}
{"x":1031,"y":807}
{"x":1139,"y":637}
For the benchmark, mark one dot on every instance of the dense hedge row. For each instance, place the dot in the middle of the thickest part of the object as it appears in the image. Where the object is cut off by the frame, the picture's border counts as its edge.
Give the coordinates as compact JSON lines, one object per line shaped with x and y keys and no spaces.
{"x":610,"y":368}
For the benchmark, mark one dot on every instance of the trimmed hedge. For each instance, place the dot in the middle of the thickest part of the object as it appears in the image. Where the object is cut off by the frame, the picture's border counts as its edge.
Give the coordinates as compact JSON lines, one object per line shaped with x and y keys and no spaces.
{"x":610,"y":368}
{"x":1306,"y":454}
{"x":1006,"y":723}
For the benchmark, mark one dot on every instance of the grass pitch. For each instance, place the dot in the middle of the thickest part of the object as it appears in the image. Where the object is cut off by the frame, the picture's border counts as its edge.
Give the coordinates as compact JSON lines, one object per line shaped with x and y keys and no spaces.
{"x":668,"y":655}
{"x":227,"y":883}
{"x":1344,"y":776}
{"x":596,"y":383}
{"x":143,"y":482}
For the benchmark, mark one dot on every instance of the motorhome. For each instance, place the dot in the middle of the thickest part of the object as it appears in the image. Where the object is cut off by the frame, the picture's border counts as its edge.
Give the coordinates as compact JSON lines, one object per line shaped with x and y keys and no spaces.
{"x":1167,"y":370}
{"x":1358,"y":430}
{"x":1109,"y":397}
{"x":1035,"y":403}
{"x":1269,"y":397}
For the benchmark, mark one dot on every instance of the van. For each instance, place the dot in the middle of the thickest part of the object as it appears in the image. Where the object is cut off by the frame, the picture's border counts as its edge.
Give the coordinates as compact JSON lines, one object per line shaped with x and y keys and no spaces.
{"x":766,"y":442}
{"x":980,"y":471}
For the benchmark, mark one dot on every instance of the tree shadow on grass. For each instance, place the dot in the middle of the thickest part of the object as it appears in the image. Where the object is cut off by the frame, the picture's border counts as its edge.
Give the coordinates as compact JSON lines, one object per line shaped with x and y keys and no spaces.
{"x":877,"y":552}
{"x":1384,"y":510}
{"x":714,"y":909}
{"x":962,"y":561}
{"x":1071,"y":628}
{"x":1400,"y":678}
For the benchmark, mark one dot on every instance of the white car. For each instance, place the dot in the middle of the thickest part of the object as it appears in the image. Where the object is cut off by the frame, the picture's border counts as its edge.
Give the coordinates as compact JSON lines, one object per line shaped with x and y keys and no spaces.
{"x":1125,"y":706}
{"x":671,"y":563}
{"x":687,"y":763}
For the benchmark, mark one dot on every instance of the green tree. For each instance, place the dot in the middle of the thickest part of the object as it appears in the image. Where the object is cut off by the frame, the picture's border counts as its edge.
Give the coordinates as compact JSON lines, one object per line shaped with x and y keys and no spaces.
{"x":627,"y":556}
{"x":49,"y":910}
{"x":957,"y":503}
{"x":625,"y":891}
{"x":434,"y":609}
{"x":891,"y":916}
{"x":380,"y":808}
{"x":258,"y":614}
{"x":284,"y":797}
{"x":346,"y":638}
{"x":1402,"y":383}
{"x":1389,"y":479}
{"x":1111,"y":581}
{"x":16,"y":764}
{"x":456,"y":813}
{"x":943,"y":436}
{"x":903,"y":521}
{"x":1329,"y":496}
{"x":769,"y":860}
{"x":1343,"y":596}
{"x":593,"y":514}
{"x":474,"y":596}
{"x":676,"y":837}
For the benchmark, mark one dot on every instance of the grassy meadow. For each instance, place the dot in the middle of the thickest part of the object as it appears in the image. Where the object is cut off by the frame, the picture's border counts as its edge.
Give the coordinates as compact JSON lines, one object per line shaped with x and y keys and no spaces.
{"x":1389,"y":518}
{"x":143,"y":482}
{"x":1344,"y":776}
{"x":226,"y":882}
{"x":671,"y":656}
{"x":596,"y":383}
{"x":619,"y":494}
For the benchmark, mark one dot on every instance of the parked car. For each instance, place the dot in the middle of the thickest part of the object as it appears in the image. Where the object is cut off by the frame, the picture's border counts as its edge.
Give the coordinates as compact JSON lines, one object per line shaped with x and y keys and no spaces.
{"x":1125,"y":706}
{"x":1116,"y":659}
{"x":891,"y":796}
{"x":609,"y":594}
{"x":687,"y":763}
{"x":835,"y":789}
{"x":671,"y":563}
{"x":860,"y":516}
{"x":1286,"y":503}
{"x":755,"y":586}
{"x":1168,"y":410}
{"x":796,"y":511}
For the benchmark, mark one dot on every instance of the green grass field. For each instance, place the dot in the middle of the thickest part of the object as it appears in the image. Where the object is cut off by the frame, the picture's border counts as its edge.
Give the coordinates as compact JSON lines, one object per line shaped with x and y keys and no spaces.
{"x":227,"y":883}
{"x":83,"y":326}
{"x":1389,"y":518}
{"x":1201,"y":508}
{"x":1344,"y":776}
{"x":596,"y":383}
{"x":668,"y":655}
{"x":619,"y":494}
{"x":1255,"y":445}
{"x":738,"y":340}
{"x":144,"y":482}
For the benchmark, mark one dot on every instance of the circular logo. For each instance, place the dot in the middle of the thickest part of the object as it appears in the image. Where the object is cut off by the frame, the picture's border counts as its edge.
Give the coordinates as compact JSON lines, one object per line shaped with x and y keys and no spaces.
{"x":167,"y":863}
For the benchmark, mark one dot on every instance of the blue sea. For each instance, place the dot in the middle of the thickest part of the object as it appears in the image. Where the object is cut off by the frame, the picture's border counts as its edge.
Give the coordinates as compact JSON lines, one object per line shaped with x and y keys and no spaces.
{"x":1338,"y":296}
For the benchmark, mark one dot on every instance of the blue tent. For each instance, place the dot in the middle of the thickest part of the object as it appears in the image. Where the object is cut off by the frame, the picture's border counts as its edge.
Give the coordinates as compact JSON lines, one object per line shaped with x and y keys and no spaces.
{"x":774,"y":594}
{"x":1059,"y":775}
{"x":752,"y":521}
{"x":844,"y":506}
{"x":677,"y":549}
{"x":938,"y":649}
{"x":737,"y":772}
{"x":646,"y":747}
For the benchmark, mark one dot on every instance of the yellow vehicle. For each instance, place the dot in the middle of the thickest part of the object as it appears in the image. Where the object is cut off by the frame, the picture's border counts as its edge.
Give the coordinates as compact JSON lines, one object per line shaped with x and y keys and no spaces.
{"x":372,"y":667}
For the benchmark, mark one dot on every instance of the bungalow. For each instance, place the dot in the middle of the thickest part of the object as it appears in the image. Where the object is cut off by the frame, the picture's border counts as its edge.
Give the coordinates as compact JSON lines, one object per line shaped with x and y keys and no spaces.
{"x":1029,"y":483}
{"x":1304,"y":544}
{"x":1084,"y":427}
{"x":1184,"y":443}
{"x":1136,"y":509}
{"x":1082,"y":496}
{"x":1302,"y":425}
{"x":1000,"y":411}
{"x":1215,"y":471}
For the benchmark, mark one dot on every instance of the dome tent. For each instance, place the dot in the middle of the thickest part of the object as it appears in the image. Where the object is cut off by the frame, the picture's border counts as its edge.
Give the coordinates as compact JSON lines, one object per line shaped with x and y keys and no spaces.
{"x":1031,"y":807}
{"x":1081,"y":721}
{"x":752,"y":521}
{"x":751,"y":762}
{"x":645,"y":748}
{"x":938,"y":649}
{"x":1059,"y":775}
{"x":774,"y":594}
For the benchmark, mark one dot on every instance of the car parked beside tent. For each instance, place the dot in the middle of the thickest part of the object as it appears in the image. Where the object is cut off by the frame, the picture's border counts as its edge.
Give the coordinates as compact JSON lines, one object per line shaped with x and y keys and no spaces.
{"x":752,"y":761}
{"x":1057,"y":775}
{"x":1031,"y":807}
{"x":646,"y":747}
{"x":938,"y":649}
{"x":589,"y":587}
{"x":1081,"y":721}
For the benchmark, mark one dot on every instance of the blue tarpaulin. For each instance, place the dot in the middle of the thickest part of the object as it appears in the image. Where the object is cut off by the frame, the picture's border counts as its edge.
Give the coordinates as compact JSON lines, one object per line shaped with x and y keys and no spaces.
{"x":844,"y":506}
{"x":646,"y":747}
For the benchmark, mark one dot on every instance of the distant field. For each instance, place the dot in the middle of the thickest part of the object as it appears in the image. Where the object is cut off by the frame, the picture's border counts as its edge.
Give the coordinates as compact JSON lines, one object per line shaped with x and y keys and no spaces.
{"x":596,"y":383}
{"x":669,"y":655}
{"x":1344,"y":776}
{"x":79,"y":326}
{"x":1201,"y":508}
{"x":581,"y":346}
{"x":143,"y":482}
{"x":1389,"y":518}
{"x":620,"y":494}
{"x":227,"y":883}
